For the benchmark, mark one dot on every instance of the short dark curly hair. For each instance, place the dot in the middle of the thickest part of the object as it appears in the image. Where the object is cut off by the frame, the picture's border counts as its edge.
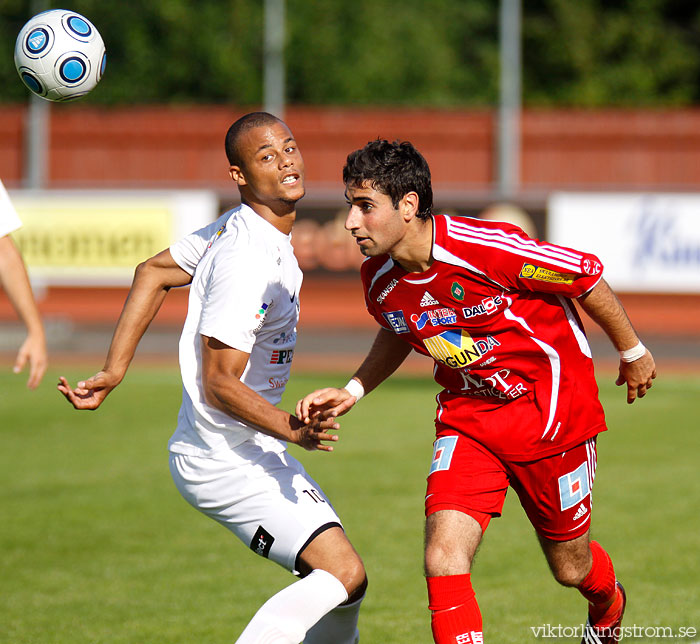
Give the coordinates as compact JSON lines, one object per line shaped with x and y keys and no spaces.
{"x":394,"y":169}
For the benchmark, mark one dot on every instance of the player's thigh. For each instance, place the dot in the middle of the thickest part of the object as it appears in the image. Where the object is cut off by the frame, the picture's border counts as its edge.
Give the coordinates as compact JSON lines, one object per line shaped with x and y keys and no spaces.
{"x":266,"y":499}
{"x":556,"y":492}
{"x":466,"y":477}
{"x":467,"y":485}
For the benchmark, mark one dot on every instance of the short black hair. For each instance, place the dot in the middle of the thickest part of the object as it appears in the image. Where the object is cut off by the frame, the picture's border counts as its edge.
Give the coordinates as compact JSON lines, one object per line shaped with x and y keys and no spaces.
{"x":394,"y":169}
{"x":242,"y":125}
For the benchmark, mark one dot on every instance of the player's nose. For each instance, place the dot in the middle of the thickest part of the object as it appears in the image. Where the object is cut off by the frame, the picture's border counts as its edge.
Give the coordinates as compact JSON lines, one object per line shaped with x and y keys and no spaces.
{"x":352,"y":220}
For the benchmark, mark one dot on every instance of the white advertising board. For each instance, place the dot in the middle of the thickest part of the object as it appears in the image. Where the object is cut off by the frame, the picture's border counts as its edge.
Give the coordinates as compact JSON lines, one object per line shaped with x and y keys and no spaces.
{"x":647,"y":242}
{"x":88,"y":238}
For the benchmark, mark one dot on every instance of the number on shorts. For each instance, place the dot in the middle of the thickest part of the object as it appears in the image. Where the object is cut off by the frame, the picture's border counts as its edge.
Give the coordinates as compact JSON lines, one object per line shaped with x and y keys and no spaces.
{"x":442,"y":453}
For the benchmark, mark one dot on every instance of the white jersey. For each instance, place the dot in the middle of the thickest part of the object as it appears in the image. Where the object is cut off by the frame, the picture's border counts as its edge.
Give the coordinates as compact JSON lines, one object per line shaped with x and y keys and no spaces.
{"x":244,"y":293}
{"x":9,"y":220}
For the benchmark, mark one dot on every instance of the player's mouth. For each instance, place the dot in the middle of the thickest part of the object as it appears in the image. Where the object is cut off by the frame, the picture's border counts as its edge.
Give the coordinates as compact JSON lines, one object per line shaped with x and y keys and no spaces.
{"x":290,"y":179}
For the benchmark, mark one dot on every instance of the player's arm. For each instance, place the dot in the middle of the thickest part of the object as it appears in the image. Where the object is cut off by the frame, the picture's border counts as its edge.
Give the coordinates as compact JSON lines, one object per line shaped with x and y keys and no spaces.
{"x":15,"y":282}
{"x":386,"y":355}
{"x":602,"y":305}
{"x":222,"y":368}
{"x":152,"y":281}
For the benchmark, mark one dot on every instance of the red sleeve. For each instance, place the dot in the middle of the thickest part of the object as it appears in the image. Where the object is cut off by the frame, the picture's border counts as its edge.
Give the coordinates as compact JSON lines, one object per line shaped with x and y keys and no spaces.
{"x":504,"y":254}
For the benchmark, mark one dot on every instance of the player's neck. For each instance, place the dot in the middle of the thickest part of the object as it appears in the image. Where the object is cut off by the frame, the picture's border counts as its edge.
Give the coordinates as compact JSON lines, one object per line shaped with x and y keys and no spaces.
{"x":415,"y":251}
{"x":282,"y":216}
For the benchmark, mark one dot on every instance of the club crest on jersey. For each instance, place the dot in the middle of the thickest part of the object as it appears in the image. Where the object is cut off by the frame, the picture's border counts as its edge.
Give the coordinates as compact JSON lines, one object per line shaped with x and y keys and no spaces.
{"x":488,"y":306}
{"x":458,"y":349}
{"x":591,"y":267}
{"x":436,"y":317}
{"x":532,"y":272}
{"x":574,"y":487}
{"x":397,"y":321}
{"x":457,"y":291}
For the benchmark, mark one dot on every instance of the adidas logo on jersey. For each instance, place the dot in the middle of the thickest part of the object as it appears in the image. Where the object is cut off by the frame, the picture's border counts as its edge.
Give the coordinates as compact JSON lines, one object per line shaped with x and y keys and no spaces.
{"x":582,"y":509}
{"x":428,"y":300}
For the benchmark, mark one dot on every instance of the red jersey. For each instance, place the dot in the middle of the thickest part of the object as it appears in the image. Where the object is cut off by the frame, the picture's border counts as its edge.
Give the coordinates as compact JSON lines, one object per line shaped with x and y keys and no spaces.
{"x":494,"y":311}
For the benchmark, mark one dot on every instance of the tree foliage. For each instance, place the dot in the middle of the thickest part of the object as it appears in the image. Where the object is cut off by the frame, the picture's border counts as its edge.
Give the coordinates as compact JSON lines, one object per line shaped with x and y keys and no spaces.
{"x":588,"y":53}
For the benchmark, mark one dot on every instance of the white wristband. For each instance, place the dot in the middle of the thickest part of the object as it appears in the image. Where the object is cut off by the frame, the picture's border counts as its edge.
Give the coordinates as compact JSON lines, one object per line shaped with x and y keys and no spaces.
{"x":636,"y":352}
{"x":355,"y":388}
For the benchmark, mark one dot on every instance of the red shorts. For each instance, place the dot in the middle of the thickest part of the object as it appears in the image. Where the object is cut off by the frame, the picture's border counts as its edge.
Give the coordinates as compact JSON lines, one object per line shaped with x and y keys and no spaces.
{"x":555,"y":492}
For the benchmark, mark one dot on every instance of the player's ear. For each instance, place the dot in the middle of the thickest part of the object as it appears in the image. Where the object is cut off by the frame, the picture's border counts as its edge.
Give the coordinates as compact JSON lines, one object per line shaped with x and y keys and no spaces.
{"x":408,"y":206}
{"x":236,"y":173}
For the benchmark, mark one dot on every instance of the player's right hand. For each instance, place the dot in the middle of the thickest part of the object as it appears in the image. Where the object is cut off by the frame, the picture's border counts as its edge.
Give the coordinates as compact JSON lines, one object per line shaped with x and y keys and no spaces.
{"x":324,"y":404}
{"x":90,"y":393}
{"x":314,"y":435}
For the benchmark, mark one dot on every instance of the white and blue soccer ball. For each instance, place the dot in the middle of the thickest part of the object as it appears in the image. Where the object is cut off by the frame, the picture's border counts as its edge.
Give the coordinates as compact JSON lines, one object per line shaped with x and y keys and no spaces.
{"x":60,"y":55}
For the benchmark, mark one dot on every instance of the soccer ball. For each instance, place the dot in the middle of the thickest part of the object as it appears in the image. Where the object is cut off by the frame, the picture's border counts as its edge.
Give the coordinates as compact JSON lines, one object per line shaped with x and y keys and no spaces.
{"x":59,"y":55}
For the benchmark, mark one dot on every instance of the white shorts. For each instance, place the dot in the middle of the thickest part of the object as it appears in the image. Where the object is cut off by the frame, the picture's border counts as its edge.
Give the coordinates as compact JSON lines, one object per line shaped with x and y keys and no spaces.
{"x":265,"y":498}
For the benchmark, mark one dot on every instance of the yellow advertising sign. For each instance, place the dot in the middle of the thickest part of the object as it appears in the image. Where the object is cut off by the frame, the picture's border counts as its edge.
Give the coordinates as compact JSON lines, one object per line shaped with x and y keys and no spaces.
{"x":88,"y":238}
{"x":92,"y":235}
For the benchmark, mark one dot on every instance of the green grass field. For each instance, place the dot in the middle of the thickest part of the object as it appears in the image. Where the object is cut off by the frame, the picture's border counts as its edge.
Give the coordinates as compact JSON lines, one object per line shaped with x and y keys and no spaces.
{"x":97,"y":546}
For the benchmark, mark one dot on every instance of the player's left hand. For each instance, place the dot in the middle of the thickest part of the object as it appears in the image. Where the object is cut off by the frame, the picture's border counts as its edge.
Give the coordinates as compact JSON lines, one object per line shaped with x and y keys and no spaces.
{"x":324,"y":404}
{"x":639,"y":376}
{"x":32,"y":351}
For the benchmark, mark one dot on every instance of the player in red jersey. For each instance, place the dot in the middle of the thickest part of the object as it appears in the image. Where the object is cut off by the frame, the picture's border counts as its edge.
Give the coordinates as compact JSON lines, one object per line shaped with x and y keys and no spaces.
{"x":519,"y":406}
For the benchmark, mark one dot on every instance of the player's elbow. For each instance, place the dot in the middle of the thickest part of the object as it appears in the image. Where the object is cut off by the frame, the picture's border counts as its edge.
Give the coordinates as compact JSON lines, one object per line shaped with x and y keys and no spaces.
{"x":145,"y":270}
{"x":212,"y":390}
{"x":217,"y":390}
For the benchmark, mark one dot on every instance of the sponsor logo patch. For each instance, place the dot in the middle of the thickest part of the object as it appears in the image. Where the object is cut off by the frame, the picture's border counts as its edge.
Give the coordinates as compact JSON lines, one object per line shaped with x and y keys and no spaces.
{"x":397,"y":321}
{"x":285,"y":337}
{"x":488,"y":306}
{"x":574,"y":487}
{"x":215,"y":237}
{"x":281,"y":356}
{"x":387,"y":289}
{"x":261,"y":542}
{"x":532,"y":272}
{"x":436,"y":317}
{"x":458,"y":349}
{"x":260,"y":315}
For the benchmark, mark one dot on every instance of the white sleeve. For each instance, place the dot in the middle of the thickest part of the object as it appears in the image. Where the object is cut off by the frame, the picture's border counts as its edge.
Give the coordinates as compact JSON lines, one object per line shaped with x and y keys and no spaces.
{"x":190,"y":249}
{"x":236,"y":298}
{"x":9,"y":219}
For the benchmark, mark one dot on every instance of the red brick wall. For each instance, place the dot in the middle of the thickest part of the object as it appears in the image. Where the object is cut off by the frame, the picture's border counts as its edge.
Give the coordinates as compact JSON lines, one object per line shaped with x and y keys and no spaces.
{"x":181,"y":146}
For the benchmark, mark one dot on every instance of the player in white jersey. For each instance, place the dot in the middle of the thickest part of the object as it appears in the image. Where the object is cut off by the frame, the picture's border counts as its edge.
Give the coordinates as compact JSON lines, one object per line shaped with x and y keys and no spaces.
{"x":228,"y":454}
{"x":15,"y":282}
